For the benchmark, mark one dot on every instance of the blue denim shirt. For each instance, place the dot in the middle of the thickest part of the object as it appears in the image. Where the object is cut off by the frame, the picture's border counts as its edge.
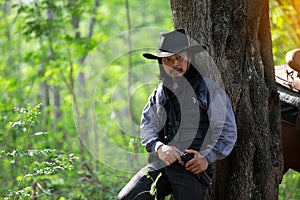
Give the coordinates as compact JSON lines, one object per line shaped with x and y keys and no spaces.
{"x":222,"y":133}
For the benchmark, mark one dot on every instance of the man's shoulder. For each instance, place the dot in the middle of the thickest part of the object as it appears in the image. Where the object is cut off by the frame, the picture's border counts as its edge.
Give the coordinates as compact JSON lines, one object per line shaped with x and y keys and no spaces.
{"x":158,"y":90}
{"x":158,"y":95}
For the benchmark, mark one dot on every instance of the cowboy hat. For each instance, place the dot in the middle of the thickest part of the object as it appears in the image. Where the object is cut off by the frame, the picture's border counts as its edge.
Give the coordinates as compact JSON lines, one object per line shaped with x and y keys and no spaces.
{"x":293,"y":59}
{"x":172,"y":43}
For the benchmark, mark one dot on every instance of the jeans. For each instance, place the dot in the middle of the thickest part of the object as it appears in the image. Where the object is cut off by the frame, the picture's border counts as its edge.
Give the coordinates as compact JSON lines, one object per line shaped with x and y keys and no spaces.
{"x":174,"y":180}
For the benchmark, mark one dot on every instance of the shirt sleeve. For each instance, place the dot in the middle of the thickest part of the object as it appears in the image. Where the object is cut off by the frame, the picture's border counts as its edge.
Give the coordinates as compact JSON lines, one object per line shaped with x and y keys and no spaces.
{"x":222,"y":132}
{"x":151,"y":123}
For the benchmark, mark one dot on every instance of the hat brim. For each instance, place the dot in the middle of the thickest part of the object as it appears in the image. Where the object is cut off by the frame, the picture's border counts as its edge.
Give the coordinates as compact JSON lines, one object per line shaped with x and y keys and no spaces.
{"x":163,"y":54}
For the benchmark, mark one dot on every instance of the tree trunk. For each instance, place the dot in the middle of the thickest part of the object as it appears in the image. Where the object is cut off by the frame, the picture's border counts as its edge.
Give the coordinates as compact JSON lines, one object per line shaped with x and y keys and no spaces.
{"x":237,"y":34}
{"x":93,"y":19}
{"x":54,"y":89}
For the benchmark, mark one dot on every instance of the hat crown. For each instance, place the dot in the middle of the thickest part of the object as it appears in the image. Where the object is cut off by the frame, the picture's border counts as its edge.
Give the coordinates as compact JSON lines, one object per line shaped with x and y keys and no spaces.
{"x":173,"y":41}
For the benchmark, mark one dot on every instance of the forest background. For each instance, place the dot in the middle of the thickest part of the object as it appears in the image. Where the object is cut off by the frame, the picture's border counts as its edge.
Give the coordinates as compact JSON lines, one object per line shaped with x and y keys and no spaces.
{"x":65,"y":77}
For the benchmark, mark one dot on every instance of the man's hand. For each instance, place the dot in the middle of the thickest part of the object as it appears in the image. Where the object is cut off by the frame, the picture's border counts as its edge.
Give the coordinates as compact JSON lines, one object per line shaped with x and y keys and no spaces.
{"x":168,"y":154}
{"x":198,"y":164}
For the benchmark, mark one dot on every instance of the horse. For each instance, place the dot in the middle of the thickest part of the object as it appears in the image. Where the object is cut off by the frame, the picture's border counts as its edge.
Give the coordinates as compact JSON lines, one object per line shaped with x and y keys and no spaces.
{"x":288,"y":81}
{"x":290,"y":139}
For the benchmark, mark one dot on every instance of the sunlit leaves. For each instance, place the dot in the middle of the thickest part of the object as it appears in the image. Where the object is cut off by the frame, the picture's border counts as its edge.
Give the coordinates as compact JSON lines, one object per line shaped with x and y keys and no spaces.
{"x":284,"y":27}
{"x":27,"y":117}
{"x":36,"y":19}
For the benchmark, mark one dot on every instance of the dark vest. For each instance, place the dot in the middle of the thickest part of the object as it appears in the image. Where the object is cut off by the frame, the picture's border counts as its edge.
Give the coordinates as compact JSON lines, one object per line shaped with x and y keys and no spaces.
{"x":187,"y":122}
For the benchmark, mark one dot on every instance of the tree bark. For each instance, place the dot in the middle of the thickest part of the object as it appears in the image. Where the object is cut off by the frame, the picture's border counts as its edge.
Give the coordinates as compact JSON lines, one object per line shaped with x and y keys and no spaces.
{"x":237,"y":34}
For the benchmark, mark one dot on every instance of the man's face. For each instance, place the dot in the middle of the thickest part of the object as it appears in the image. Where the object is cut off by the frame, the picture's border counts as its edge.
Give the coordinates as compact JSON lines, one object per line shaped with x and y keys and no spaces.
{"x":176,"y":65}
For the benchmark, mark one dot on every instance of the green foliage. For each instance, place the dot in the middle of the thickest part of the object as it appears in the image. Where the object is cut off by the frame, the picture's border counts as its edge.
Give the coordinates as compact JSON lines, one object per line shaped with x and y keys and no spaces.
{"x":32,"y":168}
{"x":289,"y":187}
{"x":153,"y":185}
{"x":43,"y":46}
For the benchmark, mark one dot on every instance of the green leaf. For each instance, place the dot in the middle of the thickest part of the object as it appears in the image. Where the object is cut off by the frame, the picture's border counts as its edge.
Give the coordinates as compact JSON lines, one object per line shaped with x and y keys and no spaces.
{"x":153,"y":185}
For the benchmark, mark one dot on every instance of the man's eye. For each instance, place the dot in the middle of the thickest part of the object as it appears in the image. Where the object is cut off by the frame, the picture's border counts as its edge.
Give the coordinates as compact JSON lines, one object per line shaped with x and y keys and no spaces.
{"x":180,"y":58}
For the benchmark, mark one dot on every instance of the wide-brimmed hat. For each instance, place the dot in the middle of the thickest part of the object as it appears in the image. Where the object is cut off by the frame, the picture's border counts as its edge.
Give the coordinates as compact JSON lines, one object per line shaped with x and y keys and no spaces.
{"x":293,"y":59}
{"x":172,"y":43}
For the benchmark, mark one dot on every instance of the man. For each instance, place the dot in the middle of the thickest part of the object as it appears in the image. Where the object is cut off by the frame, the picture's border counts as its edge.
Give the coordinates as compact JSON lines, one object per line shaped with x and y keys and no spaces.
{"x":186,"y":126}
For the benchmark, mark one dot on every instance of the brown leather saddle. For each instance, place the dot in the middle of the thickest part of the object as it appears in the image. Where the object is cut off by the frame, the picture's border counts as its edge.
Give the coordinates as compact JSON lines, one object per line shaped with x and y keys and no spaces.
{"x":288,"y":75}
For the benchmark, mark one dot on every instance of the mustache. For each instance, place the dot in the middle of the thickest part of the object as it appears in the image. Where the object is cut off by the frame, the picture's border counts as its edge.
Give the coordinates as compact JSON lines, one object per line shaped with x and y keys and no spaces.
{"x":178,"y":68}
